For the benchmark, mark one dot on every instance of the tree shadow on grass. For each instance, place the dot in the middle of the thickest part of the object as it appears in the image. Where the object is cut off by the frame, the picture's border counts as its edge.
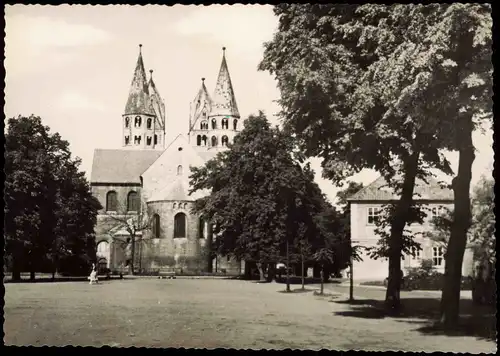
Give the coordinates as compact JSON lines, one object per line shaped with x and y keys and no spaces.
{"x":297,"y":290}
{"x":476,"y":321}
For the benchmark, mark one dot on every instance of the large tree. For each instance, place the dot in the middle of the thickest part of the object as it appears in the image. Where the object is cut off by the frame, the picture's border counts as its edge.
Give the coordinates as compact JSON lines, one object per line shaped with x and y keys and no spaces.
{"x":49,"y":211}
{"x":260,"y":199}
{"x":362,"y":86}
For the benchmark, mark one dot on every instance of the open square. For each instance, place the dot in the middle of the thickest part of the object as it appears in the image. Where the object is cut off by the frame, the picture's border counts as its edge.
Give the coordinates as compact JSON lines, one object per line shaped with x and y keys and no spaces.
{"x":203,"y":313}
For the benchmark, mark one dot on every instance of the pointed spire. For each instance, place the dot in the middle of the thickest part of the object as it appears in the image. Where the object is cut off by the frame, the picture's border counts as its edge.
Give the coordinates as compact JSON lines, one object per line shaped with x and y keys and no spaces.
{"x":155,"y":99}
{"x":224,"y":101}
{"x":201,"y":103}
{"x":138,"y":102}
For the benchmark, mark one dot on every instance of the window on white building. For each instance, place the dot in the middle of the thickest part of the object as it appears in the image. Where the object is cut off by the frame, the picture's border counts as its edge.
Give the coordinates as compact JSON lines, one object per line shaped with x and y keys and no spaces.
{"x":437,"y":256}
{"x":416,"y":254}
{"x":436,"y":211}
{"x":373,"y":215}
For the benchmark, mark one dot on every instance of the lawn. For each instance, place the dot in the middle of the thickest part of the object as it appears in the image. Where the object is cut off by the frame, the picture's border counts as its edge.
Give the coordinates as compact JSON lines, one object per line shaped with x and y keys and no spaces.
{"x":204,"y":313}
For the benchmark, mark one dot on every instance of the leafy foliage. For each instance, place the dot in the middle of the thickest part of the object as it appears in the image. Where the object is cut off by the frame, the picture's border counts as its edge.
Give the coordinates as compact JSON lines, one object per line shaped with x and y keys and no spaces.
{"x":260,"y":196}
{"x":383,"y":87}
{"x":50,"y":212}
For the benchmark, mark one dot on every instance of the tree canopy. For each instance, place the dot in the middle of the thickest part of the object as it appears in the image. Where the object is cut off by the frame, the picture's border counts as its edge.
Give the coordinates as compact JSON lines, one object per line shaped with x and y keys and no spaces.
{"x":50,"y":212}
{"x":260,"y":196}
{"x":383,"y":87}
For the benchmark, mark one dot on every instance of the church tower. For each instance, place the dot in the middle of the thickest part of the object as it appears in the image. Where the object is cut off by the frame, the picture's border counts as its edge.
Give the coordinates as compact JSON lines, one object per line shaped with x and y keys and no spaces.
{"x":144,"y":116}
{"x":215,"y":120}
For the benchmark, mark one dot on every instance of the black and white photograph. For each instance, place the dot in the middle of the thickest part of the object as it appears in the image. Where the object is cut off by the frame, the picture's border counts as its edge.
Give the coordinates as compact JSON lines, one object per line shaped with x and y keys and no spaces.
{"x":291,"y":176}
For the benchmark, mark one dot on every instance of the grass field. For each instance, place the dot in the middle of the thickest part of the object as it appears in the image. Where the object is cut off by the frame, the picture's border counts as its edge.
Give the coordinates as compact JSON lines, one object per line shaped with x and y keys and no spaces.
{"x":203,"y":313}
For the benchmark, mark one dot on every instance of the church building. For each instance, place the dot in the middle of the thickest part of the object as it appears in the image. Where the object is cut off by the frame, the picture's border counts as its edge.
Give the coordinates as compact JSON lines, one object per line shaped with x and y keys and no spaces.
{"x":143,"y":186}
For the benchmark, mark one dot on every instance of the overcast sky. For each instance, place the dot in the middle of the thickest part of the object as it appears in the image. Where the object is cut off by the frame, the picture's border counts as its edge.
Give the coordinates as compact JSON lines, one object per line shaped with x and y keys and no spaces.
{"x":73,"y":65}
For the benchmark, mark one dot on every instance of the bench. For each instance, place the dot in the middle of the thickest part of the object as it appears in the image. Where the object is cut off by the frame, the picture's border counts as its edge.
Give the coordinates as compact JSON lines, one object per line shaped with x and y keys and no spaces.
{"x":168,"y":275}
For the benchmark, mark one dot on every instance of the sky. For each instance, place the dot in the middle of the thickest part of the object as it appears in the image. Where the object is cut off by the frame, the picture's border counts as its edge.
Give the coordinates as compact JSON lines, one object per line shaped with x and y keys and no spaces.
{"x":72,"y":65}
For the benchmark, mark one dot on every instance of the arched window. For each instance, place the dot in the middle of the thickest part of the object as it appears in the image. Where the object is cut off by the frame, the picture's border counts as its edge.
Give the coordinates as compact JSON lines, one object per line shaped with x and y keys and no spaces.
{"x":214,"y":141}
{"x":138,"y":121}
{"x":149,"y":123}
{"x":111,"y":201}
{"x":127,"y":121}
{"x":133,"y":201}
{"x":156,"y":226}
{"x":180,"y":225}
{"x":179,"y":170}
{"x":204,"y":139}
{"x":224,"y":140}
{"x":198,"y":140}
{"x":235,"y":124}
{"x":148,"y":140}
{"x":127,"y":140}
{"x":175,"y":205}
{"x":225,"y":123}
{"x":204,"y":125}
{"x":214,"y":124}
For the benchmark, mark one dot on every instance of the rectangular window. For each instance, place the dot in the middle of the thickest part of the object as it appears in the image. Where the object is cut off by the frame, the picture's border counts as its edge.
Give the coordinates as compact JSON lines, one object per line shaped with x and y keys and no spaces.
{"x":436,"y":211}
{"x":137,"y":140}
{"x":416,"y":254}
{"x":148,"y":140}
{"x":156,"y":139}
{"x":127,"y":140}
{"x":373,"y":215}
{"x":437,"y":256}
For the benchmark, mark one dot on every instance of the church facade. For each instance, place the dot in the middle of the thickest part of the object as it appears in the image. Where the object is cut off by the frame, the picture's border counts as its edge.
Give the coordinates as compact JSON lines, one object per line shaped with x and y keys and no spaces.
{"x":143,"y":186}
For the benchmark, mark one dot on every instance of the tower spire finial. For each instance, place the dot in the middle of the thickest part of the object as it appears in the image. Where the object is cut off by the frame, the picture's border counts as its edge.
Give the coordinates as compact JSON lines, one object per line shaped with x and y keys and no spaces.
{"x":140,"y":48}
{"x":223,"y":51}
{"x":151,"y":74}
{"x":203,"y":79}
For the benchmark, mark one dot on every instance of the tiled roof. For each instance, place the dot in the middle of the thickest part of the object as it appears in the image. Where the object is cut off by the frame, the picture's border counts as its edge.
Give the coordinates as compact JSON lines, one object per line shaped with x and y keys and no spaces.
{"x":379,"y":191}
{"x":138,"y":98}
{"x":121,"y":165}
{"x":202,"y":102}
{"x":224,"y":101}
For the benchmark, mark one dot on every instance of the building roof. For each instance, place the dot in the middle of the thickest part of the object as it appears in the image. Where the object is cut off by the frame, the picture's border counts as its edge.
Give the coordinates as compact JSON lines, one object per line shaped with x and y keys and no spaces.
{"x":378,"y":190}
{"x":121,"y":165}
{"x":201,"y":103}
{"x":223,"y":100}
{"x":158,"y":106}
{"x":138,"y":98}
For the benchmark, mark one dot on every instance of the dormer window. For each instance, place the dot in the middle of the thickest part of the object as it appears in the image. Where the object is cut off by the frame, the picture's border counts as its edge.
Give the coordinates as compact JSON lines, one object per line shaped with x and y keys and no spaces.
{"x":149,"y":123}
{"x":138,"y":121}
{"x":179,"y":170}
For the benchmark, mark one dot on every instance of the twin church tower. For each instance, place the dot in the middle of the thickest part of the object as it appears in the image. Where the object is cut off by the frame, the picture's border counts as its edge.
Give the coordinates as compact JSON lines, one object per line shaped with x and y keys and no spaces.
{"x":213,"y":120}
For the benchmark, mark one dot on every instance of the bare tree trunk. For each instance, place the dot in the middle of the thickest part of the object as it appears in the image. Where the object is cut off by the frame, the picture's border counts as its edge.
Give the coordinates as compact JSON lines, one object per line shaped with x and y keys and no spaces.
{"x":132,"y":255}
{"x":351,"y":281}
{"x":303,"y":277}
{"x":287,"y":267}
{"x":450,"y":300}
{"x":322,"y":282}
{"x":392,"y":297}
